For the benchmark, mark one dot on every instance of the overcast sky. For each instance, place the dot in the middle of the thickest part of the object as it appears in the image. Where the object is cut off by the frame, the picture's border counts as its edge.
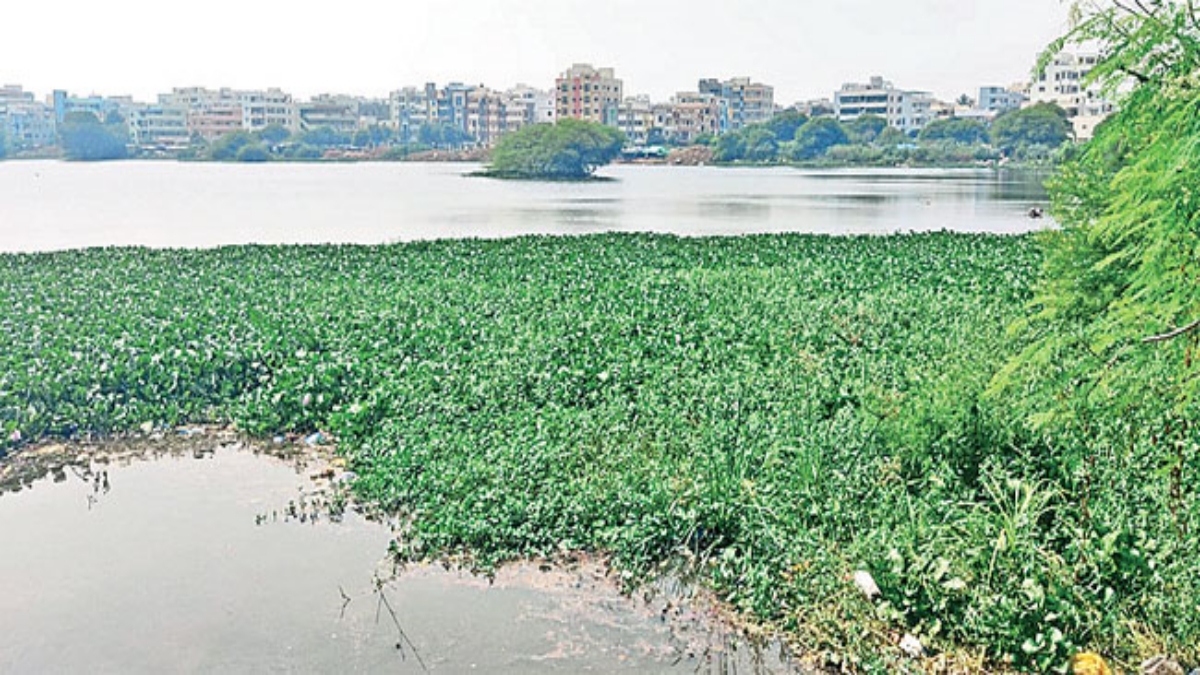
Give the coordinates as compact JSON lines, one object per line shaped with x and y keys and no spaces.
{"x":805,"y":48}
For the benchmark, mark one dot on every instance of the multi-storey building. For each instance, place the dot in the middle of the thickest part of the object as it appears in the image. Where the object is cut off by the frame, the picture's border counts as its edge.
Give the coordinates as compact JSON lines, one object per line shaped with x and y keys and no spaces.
{"x":210,"y":121}
{"x":159,"y":127}
{"x":410,"y":110}
{"x":536,"y":105}
{"x":694,"y":114}
{"x":450,"y":104}
{"x":586,"y":93}
{"x":24,"y":122}
{"x":908,"y":111}
{"x":271,"y":107}
{"x":336,"y":112}
{"x":635,"y":118}
{"x":749,"y":102}
{"x":212,"y":108}
{"x":98,"y":106}
{"x":486,"y":116}
{"x":998,"y":100}
{"x":1062,"y":83}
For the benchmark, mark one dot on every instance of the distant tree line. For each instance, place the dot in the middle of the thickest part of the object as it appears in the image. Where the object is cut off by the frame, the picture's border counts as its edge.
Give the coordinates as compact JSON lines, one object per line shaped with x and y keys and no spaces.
{"x":1033,"y":133}
{"x":276,"y":142}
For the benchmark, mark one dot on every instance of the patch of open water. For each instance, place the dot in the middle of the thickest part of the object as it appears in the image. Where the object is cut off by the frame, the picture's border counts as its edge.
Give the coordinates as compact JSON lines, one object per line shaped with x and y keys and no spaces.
{"x":211,"y":561}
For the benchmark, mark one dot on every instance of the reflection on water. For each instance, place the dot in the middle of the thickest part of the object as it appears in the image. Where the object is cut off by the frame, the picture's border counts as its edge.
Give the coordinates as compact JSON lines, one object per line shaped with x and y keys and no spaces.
{"x":56,"y":205}
{"x":213,"y":562}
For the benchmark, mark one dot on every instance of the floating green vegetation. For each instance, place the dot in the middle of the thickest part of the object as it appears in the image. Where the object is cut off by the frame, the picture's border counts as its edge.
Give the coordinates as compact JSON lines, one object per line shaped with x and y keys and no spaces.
{"x":778,"y":412}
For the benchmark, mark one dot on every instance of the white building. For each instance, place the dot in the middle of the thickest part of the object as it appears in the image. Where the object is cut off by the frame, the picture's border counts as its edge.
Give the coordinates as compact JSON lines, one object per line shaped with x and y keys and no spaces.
{"x":214,"y":108}
{"x":1062,"y":83}
{"x":537,"y":105}
{"x":908,"y":111}
{"x":24,"y":122}
{"x":635,"y":118}
{"x":996,"y":100}
{"x":159,"y":127}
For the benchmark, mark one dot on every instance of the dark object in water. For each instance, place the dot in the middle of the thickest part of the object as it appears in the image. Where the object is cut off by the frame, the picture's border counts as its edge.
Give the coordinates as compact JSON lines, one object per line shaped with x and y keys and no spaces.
{"x":1036,"y":213}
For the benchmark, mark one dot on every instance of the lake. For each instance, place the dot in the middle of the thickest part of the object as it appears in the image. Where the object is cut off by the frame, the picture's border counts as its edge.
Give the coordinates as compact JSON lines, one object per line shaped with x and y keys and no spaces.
{"x":47,"y":206}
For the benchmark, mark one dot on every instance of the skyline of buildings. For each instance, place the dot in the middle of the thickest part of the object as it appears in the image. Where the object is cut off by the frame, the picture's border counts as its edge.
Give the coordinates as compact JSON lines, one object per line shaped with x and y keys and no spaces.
{"x":483,"y":115}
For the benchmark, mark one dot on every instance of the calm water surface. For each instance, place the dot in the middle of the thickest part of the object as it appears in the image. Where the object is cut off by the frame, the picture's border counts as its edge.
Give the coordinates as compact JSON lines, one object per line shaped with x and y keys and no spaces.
{"x":60,"y":205}
{"x":164,"y":566}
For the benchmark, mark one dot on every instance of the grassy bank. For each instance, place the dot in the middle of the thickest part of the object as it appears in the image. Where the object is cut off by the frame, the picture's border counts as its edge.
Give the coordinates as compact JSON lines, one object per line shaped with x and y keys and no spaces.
{"x":779,"y":411}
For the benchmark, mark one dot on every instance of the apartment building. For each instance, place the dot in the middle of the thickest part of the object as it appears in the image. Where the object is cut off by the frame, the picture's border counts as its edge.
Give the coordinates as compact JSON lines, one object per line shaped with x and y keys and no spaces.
{"x":212,"y":109}
{"x":24,"y":122}
{"x":333,"y":111}
{"x":694,"y":114}
{"x":212,"y":120}
{"x":997,"y":100}
{"x":636,"y":119}
{"x":586,"y":93}
{"x":908,"y":111}
{"x":749,"y":102}
{"x":410,"y":110}
{"x":1062,"y":83}
{"x":537,"y":105}
{"x":159,"y":127}
{"x":270,"y":107}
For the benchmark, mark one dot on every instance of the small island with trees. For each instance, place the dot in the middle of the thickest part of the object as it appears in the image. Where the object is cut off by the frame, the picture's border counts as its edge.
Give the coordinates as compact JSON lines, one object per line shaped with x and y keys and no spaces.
{"x":569,"y":150}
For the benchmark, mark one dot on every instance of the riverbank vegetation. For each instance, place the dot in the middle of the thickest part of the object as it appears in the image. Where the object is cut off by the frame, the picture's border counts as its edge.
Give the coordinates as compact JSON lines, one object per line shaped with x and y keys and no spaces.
{"x":1031,"y":135}
{"x":777,"y":412}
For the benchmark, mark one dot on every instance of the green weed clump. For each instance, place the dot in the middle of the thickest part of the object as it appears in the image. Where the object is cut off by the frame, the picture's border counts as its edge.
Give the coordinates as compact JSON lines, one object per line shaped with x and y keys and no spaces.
{"x":772,"y":412}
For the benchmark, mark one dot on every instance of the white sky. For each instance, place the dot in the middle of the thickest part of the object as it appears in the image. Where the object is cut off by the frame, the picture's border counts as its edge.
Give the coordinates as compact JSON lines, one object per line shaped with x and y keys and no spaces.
{"x":805,"y":48}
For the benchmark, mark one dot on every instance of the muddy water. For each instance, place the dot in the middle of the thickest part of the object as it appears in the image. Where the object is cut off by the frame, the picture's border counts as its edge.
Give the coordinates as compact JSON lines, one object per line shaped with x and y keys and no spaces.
{"x":198,"y":563}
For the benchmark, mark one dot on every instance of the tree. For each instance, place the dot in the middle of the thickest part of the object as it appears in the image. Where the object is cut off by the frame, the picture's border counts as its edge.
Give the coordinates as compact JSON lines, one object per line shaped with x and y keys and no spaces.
{"x":729,"y":148}
{"x":891,"y":137}
{"x":324,"y":137}
{"x":1044,"y":124}
{"x":817,"y":136}
{"x":785,"y":125}
{"x":253,"y":153}
{"x":274,"y":134}
{"x":84,"y":138}
{"x":965,"y":131}
{"x":865,"y":129}
{"x":443,"y":135}
{"x":227,"y":147}
{"x":1108,"y":372}
{"x":569,"y":150}
{"x":760,"y":144}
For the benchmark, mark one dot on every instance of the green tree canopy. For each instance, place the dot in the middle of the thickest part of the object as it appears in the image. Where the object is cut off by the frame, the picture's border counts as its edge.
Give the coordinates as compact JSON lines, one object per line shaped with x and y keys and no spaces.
{"x":730,"y":147}
{"x":865,"y":129}
{"x":274,"y":134}
{"x":760,"y":145}
{"x":568,"y":150}
{"x":965,"y":131}
{"x":817,"y":136}
{"x":227,"y":147}
{"x":1109,"y":370}
{"x":253,"y":153}
{"x":443,"y":135}
{"x":1045,"y":125}
{"x":324,"y":137}
{"x":85,"y":138}
{"x":785,"y":125}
